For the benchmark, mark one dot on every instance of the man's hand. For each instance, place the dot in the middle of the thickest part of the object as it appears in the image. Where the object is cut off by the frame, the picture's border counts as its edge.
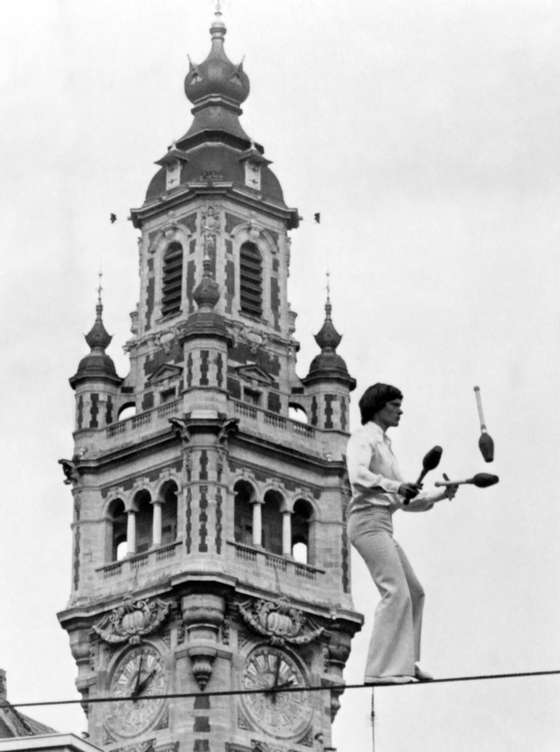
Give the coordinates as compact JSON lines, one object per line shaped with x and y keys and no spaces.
{"x":450,"y":491}
{"x":409,"y":490}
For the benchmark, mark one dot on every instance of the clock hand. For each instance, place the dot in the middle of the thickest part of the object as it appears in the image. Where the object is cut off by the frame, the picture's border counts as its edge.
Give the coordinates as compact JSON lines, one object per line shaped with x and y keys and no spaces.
{"x":143,"y":683}
{"x":138,"y":675}
{"x":276,"y":677}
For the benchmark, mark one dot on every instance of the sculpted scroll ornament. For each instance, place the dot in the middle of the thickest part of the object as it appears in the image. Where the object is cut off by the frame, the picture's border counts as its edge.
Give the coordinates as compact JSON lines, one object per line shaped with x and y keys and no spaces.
{"x":132,"y":620}
{"x":280,"y":622}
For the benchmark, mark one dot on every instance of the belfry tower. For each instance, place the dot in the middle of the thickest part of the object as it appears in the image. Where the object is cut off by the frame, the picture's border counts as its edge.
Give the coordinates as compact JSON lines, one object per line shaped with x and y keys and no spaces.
{"x":209,"y":536}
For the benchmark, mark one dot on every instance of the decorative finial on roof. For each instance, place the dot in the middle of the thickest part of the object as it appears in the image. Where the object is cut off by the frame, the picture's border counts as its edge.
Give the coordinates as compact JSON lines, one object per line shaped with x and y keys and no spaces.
{"x":97,"y":365}
{"x":98,"y":337}
{"x":328,"y":365}
{"x":327,"y":337}
{"x":207,"y":292}
{"x":218,"y":27}
{"x":99,"y":287}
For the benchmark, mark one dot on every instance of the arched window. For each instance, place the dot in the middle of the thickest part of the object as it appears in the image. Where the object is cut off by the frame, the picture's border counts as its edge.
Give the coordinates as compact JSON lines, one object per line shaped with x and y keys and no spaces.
{"x":296,"y":412}
{"x":243,"y":512}
{"x":301,"y":524}
{"x":172,"y":276}
{"x":144,"y":516}
{"x":272,"y":522}
{"x":169,"y":512}
{"x":251,"y":280}
{"x":117,"y":530}
{"x":127,"y":411}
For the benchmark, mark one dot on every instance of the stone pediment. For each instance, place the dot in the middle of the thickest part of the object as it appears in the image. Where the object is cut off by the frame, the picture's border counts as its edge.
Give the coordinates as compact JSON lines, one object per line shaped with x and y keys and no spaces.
{"x":254,"y":373}
{"x":165,"y":372}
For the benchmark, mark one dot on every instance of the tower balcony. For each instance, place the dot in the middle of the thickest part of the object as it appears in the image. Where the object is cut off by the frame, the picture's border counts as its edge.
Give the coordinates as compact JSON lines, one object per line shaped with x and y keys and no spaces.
{"x":253,"y":420}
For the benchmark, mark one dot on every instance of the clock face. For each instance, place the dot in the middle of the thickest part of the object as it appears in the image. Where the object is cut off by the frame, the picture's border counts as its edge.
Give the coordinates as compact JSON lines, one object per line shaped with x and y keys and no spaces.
{"x":282,"y":714}
{"x":139,"y":673}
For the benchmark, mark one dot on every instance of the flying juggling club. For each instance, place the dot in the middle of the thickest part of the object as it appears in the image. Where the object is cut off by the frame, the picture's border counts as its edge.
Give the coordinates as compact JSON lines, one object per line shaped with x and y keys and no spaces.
{"x":480,"y":480}
{"x":485,"y":442}
{"x":430,"y":462}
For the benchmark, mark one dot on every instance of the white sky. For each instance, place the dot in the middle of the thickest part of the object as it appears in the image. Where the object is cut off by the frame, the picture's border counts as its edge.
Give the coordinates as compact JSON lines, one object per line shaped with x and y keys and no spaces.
{"x":427,"y":135}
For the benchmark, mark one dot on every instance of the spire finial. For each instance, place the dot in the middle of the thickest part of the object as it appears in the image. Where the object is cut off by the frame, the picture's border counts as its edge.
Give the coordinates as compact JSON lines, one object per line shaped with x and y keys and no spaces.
{"x":218,"y":27}
{"x":328,"y":306}
{"x":99,"y":287}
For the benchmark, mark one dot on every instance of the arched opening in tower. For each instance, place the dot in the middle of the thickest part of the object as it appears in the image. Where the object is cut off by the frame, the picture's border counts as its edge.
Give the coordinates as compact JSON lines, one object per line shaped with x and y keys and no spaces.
{"x":144,"y":520}
{"x":243,"y":512}
{"x":301,"y":527}
{"x":169,"y":512}
{"x":117,"y":530}
{"x":272,"y":522}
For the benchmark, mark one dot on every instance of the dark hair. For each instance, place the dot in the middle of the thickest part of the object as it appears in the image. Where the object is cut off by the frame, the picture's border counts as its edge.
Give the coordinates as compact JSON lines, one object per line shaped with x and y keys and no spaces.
{"x":375,"y":398}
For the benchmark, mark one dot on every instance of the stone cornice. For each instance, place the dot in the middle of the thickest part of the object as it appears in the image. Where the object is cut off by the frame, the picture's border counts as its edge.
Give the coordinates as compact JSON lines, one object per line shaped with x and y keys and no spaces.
{"x":179,"y":197}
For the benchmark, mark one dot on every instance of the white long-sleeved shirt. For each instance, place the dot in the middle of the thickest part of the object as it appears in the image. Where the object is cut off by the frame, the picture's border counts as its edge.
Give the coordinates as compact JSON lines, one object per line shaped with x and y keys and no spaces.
{"x":375,"y":476}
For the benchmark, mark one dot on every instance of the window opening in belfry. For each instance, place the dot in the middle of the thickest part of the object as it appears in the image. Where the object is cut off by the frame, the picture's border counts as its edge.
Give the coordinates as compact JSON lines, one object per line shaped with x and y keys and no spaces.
{"x":127,"y":411}
{"x":172,"y":279}
{"x":301,"y":526}
{"x":251,"y":282}
{"x":169,"y":512}
{"x":272,"y":522}
{"x":296,"y":412}
{"x":243,"y":512}
{"x":117,"y":522}
{"x":144,"y":523}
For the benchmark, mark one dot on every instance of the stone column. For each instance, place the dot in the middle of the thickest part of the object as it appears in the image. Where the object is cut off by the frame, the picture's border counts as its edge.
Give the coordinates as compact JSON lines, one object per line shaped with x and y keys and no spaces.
{"x":286,"y":532}
{"x":257,"y":522}
{"x":156,"y":522}
{"x":131,"y":531}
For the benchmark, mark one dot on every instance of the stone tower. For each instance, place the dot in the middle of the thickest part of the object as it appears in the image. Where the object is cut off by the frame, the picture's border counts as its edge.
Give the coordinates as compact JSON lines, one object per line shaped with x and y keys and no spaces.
{"x":209,"y":546}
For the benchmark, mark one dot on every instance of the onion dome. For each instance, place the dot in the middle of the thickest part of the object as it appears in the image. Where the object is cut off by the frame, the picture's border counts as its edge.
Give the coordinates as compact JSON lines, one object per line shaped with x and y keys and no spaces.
{"x":215,"y":153}
{"x":207,"y":293}
{"x":217,"y":76}
{"x":96,"y":365}
{"x":205,"y":322}
{"x":329,"y":365}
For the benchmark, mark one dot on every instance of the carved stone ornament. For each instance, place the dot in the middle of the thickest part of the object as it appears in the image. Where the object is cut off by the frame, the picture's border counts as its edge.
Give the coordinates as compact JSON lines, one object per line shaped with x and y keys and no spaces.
{"x":70,"y":471}
{"x":280,"y":622}
{"x":132,"y":620}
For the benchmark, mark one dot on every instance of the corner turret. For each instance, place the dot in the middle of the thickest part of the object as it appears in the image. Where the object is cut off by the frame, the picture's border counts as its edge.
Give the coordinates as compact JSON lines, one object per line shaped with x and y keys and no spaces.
{"x":328,"y":383}
{"x":96,"y":381}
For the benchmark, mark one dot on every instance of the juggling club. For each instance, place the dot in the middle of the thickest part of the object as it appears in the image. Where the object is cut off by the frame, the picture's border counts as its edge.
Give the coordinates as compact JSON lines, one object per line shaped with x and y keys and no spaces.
{"x":485,"y":442}
{"x":430,"y":462}
{"x":480,"y":480}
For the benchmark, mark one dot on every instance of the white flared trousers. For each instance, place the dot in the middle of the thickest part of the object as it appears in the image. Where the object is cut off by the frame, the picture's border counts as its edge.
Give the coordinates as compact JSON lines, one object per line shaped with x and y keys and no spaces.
{"x":395,"y":642}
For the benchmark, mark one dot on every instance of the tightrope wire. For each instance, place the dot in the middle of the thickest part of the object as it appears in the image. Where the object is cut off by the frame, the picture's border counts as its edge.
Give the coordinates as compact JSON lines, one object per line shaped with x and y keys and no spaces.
{"x":283,"y":690}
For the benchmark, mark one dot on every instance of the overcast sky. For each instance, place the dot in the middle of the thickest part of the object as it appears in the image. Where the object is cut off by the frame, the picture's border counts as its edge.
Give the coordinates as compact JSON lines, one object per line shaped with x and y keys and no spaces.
{"x":426,"y":133}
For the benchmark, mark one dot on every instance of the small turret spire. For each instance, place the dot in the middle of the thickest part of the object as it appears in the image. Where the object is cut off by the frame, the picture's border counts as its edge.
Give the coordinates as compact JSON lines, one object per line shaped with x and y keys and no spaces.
{"x":328,"y":306}
{"x":327,"y":337}
{"x":218,"y":28}
{"x":328,"y":365}
{"x":97,"y":364}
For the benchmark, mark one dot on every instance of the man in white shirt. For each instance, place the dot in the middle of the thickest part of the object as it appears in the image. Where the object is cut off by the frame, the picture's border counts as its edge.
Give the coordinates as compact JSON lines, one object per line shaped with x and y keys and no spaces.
{"x":378,"y":490}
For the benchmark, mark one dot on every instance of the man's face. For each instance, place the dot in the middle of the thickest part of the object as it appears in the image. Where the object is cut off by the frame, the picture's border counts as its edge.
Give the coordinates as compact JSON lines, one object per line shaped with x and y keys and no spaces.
{"x":390,"y":413}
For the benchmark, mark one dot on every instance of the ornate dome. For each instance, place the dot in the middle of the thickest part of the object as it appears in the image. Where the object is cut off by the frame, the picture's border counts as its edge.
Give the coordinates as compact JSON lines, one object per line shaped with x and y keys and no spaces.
{"x":329,"y":365}
{"x":217,"y":163}
{"x":96,"y":365}
{"x":217,"y":76}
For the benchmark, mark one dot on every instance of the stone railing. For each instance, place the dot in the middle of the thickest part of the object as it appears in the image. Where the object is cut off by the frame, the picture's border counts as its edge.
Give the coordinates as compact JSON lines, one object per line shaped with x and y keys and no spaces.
{"x":137,"y":561}
{"x":158,"y":415}
{"x":266,"y":420}
{"x":258,"y":557}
